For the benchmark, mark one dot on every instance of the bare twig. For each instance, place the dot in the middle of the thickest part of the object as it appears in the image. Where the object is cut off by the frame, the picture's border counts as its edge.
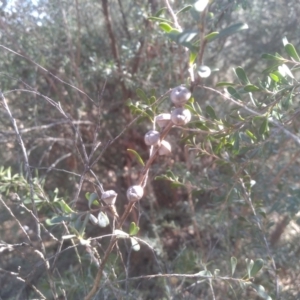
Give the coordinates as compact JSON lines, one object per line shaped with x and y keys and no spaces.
{"x":16,"y":276}
{"x":248,"y":199}
{"x":174,"y":17}
{"x":48,"y":72}
{"x":29,"y":176}
{"x":16,"y":219}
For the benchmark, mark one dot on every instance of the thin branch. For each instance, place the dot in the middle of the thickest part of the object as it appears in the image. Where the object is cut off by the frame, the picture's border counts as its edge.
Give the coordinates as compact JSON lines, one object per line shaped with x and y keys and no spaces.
{"x":255,"y":113}
{"x":16,"y":219}
{"x":16,"y":276}
{"x":174,"y":17}
{"x":48,"y":72}
{"x":27,"y":167}
{"x":29,"y":175}
{"x":248,"y":199}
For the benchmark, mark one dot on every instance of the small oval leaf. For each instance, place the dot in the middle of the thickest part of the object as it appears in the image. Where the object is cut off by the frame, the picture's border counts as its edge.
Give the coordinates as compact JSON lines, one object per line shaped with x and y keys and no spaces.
{"x":210,"y":111}
{"x":251,"y":88}
{"x":291,"y":51}
{"x":272,"y":57}
{"x":165,"y":27}
{"x":231,"y":30}
{"x":139,"y":159}
{"x":233,"y":262}
{"x":133,"y":229}
{"x":241,"y":75}
{"x":258,"y":265}
{"x":142,"y":95}
{"x":211,"y":36}
{"x":184,"y":9}
{"x":264,"y":127}
{"x":219,"y":84}
{"x":233,"y":92}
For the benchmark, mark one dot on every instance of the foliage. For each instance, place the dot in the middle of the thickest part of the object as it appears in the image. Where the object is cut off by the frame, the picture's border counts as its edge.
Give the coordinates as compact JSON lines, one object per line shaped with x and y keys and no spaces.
{"x":82,"y":83}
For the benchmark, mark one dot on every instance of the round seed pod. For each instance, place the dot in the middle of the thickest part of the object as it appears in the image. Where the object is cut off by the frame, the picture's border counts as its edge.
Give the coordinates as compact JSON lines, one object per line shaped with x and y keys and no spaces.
{"x":109,"y":197}
{"x":180,"y":95}
{"x":152,"y":138}
{"x":165,"y":148}
{"x":180,"y":116}
{"x":135,"y":193}
{"x":162,"y":120}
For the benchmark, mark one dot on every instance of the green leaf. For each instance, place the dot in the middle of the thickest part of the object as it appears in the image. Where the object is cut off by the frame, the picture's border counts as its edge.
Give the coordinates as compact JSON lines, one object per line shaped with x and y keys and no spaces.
{"x":142,"y":95}
{"x":250,"y":135}
{"x":57,"y":219}
{"x":184,"y":9}
{"x":258,"y":265}
{"x":173,"y":35}
{"x":211,"y":36}
{"x":225,"y":84}
{"x":91,"y":198}
{"x":233,"y":92}
{"x":236,"y":142}
{"x":261,"y":291}
{"x":230,"y":30}
{"x":274,"y":77}
{"x":241,"y":75}
{"x":291,"y":51}
{"x":210,"y":111}
{"x":165,"y":27}
{"x":187,"y":35}
{"x":264,"y":127}
{"x":200,"y":125}
{"x":83,"y":226}
{"x":160,"y":12}
{"x":250,"y":264}
{"x":64,"y":207}
{"x":233,"y":262}
{"x":139,"y":159}
{"x":171,"y":175}
{"x":272,"y":57}
{"x":133,"y":229}
{"x":177,"y":185}
{"x":151,"y":100}
{"x":192,"y":58}
{"x":159,"y":19}
{"x":251,"y":88}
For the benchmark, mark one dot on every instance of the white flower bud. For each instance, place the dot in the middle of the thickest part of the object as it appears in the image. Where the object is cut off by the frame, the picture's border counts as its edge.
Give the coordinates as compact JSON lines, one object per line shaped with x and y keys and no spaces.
{"x":135,"y":193}
{"x":103,"y":220}
{"x":93,"y":219}
{"x":204,"y":71}
{"x":180,"y":95}
{"x":181,"y":116}
{"x":165,"y":148}
{"x":152,"y":138}
{"x":162,"y":120}
{"x":109,"y":197}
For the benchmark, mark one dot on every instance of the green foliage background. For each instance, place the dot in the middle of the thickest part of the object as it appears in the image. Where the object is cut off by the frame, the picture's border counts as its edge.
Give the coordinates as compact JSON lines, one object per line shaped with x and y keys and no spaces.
{"x":229,"y":191}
